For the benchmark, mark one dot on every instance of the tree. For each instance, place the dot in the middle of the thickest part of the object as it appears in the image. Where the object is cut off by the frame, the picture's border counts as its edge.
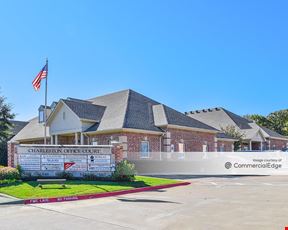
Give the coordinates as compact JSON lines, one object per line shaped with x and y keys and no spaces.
{"x":260,"y":120}
{"x":5,"y":128}
{"x":279,"y":120}
{"x":232,"y":131}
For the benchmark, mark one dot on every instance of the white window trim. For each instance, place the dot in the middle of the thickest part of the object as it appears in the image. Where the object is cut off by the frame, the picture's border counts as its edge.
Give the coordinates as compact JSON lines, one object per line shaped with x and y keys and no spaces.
{"x":41,"y":116}
{"x":148,"y":153}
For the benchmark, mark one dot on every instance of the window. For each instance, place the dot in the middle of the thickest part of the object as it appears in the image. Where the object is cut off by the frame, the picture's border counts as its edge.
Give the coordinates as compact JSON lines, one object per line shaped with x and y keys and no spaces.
{"x":222,"y":148}
{"x":144,"y":149}
{"x":64,"y":115}
{"x":41,"y":116}
{"x":205,"y":148}
{"x":94,"y":141}
{"x":181,"y":148}
{"x":172,"y":148}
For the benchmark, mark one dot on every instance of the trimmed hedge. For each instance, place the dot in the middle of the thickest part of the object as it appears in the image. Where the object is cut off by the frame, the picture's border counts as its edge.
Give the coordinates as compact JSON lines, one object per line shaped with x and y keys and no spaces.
{"x":9,"y":173}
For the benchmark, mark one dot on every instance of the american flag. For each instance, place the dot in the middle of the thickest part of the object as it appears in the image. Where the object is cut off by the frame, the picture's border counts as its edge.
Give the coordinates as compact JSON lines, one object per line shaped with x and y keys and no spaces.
{"x":41,"y":75}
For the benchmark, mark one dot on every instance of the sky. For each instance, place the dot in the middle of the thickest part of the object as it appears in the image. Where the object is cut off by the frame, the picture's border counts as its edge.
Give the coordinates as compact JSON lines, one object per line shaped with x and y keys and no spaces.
{"x":186,"y":54}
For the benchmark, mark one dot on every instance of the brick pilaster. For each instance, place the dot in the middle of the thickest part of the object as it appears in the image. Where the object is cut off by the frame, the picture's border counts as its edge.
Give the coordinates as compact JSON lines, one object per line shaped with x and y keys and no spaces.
{"x":118,"y":152}
{"x":11,"y":151}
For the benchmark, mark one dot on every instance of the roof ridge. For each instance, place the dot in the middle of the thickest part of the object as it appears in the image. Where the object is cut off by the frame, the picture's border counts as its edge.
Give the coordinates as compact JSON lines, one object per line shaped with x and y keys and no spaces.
{"x":77,"y":100}
{"x":108,"y":94}
{"x":205,"y":126}
{"x":205,"y":110}
{"x":229,"y":112}
{"x":126,"y":109}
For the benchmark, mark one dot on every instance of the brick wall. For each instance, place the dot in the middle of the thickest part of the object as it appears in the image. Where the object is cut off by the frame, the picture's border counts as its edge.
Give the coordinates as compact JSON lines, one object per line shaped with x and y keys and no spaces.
{"x":192,"y":140}
{"x":11,"y":153}
{"x":277,"y":144}
{"x":66,"y":140}
{"x":228,"y":146}
{"x":133,"y":140}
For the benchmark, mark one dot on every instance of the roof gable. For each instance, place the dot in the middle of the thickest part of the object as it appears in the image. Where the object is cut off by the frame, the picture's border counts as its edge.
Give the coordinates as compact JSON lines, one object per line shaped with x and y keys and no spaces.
{"x":270,"y":133}
{"x":17,"y":126}
{"x":176,"y":118}
{"x":33,"y":130}
{"x":139,"y":112}
{"x":85,"y":109}
{"x":215,"y":118}
{"x":241,"y":122}
{"x":132,"y":110}
{"x":114,"y":114}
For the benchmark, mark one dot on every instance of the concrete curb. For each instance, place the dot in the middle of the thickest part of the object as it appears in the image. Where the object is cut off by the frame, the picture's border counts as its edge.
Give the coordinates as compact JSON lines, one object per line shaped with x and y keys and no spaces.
{"x":12,"y":202}
{"x":100,"y":195}
{"x":9,"y":200}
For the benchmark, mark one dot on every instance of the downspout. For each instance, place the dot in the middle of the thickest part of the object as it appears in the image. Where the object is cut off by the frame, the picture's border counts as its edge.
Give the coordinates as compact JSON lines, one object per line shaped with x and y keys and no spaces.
{"x":160,"y":141}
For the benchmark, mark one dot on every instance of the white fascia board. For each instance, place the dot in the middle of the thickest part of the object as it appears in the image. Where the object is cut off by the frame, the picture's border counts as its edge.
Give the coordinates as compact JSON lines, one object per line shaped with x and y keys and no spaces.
{"x":124,"y":130}
{"x":192,"y":129}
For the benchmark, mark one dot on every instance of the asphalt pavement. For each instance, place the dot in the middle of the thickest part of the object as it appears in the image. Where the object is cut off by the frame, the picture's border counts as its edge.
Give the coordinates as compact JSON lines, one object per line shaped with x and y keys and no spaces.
{"x":208,"y":203}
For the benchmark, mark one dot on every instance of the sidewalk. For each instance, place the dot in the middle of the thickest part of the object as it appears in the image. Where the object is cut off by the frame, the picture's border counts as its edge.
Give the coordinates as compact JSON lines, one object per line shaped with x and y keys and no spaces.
{"x":5,"y":199}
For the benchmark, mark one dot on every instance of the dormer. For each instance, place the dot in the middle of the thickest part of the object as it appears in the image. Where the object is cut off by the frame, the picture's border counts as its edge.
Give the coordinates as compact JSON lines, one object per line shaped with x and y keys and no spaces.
{"x":53,"y":105}
{"x":41,"y":113}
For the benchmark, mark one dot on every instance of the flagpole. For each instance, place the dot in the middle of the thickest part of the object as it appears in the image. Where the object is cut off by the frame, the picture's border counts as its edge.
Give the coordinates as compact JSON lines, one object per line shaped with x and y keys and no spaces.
{"x":46,"y":84}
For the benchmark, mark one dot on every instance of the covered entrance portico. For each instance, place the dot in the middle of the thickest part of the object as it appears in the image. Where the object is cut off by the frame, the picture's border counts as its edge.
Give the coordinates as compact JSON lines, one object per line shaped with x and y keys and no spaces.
{"x":77,"y":138}
{"x":257,"y":142}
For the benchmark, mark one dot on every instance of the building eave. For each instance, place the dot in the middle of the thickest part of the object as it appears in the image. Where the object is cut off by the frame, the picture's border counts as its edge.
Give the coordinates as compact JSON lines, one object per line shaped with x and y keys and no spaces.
{"x":192,"y":129}
{"x":226,"y":139}
{"x":28,"y":139}
{"x":278,"y":138}
{"x":124,"y":130}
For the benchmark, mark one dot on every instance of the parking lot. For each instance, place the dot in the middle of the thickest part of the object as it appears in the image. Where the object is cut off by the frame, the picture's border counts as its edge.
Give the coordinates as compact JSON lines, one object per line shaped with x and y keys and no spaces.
{"x":208,"y":203}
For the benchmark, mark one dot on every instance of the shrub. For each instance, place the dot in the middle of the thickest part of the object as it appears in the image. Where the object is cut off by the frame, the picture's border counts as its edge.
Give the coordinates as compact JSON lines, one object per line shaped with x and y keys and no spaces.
{"x":93,"y":177}
{"x":9,"y":173}
{"x":19,"y":170}
{"x":124,"y":171}
{"x":65,"y":175}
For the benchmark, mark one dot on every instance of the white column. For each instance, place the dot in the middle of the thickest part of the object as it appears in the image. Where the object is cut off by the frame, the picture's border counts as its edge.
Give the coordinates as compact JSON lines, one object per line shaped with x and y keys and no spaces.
{"x":261,"y":146}
{"x":82,"y":139}
{"x":56,"y":139}
{"x":215,"y":144}
{"x":76,"y":139}
{"x":250,"y":145}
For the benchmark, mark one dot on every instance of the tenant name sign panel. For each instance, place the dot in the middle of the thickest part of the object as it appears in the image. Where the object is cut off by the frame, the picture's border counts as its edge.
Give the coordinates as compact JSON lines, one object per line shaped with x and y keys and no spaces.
{"x":65,"y":158}
{"x":52,"y":162}
{"x":99,"y":163}
{"x":29,"y":162}
{"x":76,"y":163}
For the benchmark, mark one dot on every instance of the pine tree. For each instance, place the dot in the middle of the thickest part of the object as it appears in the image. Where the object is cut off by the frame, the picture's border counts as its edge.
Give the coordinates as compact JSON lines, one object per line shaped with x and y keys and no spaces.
{"x":5,"y":128}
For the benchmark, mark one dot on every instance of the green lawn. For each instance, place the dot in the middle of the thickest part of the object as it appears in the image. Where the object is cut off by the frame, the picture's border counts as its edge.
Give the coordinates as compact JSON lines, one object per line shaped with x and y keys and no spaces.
{"x":27,"y":190}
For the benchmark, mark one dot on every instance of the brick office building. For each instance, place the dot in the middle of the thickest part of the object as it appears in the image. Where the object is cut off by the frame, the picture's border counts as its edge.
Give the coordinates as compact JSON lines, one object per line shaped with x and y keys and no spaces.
{"x":255,"y":137}
{"x":138,"y":123}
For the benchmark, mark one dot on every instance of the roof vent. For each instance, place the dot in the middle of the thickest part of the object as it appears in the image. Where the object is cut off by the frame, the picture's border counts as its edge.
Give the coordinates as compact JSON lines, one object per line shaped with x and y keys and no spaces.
{"x":204,"y":110}
{"x":197,"y":111}
{"x":210,"y":110}
{"x":218,"y":109}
